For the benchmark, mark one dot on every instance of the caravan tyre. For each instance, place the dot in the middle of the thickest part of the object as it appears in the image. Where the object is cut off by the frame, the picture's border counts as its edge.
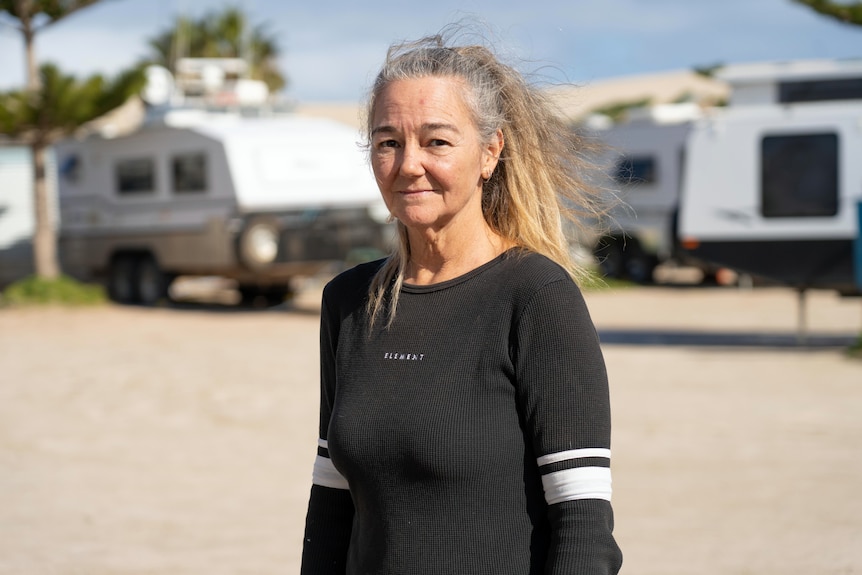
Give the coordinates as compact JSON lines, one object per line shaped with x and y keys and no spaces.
{"x":609,"y":255}
{"x":270,"y":296}
{"x":150,"y":282}
{"x":639,"y":266}
{"x":121,"y":283}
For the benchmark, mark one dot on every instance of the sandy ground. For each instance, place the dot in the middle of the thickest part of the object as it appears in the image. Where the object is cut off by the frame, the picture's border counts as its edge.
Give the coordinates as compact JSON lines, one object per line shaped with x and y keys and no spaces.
{"x":179,"y":440}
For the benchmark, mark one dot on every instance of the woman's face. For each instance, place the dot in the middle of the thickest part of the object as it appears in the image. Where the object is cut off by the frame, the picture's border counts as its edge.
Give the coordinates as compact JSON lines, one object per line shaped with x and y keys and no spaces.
{"x":426,"y":153}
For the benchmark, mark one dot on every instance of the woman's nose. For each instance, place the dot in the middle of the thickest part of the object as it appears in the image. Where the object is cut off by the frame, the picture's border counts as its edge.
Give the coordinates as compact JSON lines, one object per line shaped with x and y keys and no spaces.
{"x":411,"y":161}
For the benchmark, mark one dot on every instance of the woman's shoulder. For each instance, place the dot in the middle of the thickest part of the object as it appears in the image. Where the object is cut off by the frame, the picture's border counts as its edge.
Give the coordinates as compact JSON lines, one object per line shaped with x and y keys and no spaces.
{"x":533,"y":269}
{"x":352,"y":283}
{"x":543,"y":291}
{"x":533,"y":277}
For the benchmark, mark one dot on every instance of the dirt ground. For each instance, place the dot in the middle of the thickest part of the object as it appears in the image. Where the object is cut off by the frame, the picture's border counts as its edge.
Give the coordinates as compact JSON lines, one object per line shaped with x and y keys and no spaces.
{"x":180,"y":440}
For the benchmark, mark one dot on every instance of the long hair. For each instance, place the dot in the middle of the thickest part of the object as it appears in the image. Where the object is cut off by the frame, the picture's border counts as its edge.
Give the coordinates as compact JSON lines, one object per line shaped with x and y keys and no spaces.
{"x":538,"y":184}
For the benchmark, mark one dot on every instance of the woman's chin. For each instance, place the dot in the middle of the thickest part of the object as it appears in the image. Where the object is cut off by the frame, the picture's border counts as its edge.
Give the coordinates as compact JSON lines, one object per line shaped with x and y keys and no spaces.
{"x":418,"y":218}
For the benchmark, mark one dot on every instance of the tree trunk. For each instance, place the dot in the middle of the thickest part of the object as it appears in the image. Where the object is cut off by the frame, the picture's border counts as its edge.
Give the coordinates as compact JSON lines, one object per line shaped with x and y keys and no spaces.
{"x":44,"y":235}
{"x":33,"y":80}
{"x":25,"y":16}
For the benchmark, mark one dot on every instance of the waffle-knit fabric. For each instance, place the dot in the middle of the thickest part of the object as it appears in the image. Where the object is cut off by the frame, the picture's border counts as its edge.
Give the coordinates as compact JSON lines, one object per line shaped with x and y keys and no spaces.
{"x":472,"y":436}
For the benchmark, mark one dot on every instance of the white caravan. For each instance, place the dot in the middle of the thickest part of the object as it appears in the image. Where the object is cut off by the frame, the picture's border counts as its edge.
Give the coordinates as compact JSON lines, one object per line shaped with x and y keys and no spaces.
{"x":16,"y":212}
{"x":257,"y":200}
{"x":773,"y":182}
{"x":643,"y":165}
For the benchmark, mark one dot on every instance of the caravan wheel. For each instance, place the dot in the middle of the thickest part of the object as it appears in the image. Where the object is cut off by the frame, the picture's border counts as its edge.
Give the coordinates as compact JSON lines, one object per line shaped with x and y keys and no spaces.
{"x":121,"y":283}
{"x":150,"y":282}
{"x":257,"y":296}
{"x":639,"y":265}
{"x":609,"y":255}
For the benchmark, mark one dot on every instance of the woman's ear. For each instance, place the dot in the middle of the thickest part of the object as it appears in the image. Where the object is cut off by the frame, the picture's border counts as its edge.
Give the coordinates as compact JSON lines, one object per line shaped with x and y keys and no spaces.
{"x":492,"y":155}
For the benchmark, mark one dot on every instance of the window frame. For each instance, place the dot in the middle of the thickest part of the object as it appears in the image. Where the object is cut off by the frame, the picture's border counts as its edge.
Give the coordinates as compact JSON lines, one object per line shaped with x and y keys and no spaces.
{"x":204,"y":173}
{"x":636,"y":170}
{"x":786,"y":161}
{"x":120,"y":178}
{"x":801,"y":91}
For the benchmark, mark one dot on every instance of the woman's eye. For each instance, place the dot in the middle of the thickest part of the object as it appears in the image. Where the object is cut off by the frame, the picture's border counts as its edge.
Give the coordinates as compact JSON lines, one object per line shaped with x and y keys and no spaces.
{"x":439,"y":142}
{"x":387,"y":144}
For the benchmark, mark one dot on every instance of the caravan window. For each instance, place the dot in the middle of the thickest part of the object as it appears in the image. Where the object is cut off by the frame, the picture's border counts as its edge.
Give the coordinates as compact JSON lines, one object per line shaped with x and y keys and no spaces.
{"x":820,"y":90}
{"x":635,"y":170}
{"x":136,"y":175}
{"x":70,"y":168}
{"x":799,"y":176}
{"x":189,"y":172}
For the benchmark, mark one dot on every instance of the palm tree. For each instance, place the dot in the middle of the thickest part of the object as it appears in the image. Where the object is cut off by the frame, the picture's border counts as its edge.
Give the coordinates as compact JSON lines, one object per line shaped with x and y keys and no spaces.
{"x":50,"y":107}
{"x":847,"y":12}
{"x":225,"y":34}
{"x":32,"y":16}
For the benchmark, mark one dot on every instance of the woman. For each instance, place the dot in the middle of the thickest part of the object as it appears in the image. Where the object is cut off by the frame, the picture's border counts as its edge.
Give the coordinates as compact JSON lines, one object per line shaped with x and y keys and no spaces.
{"x":464,"y":416}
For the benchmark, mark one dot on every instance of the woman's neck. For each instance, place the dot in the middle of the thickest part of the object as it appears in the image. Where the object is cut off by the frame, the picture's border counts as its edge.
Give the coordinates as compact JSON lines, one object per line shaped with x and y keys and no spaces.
{"x":436,"y":258}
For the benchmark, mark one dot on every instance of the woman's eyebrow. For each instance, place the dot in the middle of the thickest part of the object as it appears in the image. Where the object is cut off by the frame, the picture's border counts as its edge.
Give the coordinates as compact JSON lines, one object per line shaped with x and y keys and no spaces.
{"x":429,"y":127}
{"x":440,"y":126}
{"x":384,"y":130}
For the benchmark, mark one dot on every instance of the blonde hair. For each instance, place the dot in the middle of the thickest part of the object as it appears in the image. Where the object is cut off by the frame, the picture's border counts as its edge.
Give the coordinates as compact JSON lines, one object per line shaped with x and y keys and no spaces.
{"x":537,"y":184}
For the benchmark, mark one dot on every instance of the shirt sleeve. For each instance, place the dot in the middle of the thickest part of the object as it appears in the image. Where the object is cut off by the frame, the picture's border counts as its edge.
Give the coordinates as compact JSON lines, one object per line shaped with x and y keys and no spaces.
{"x":329,"y":519}
{"x":563,"y":395}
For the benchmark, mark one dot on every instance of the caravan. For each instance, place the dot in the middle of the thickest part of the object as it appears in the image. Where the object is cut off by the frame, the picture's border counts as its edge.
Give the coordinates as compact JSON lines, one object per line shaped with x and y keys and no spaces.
{"x":17,"y":212}
{"x":643,"y":168}
{"x":197,"y":192}
{"x":256,"y":200}
{"x":773,"y":182}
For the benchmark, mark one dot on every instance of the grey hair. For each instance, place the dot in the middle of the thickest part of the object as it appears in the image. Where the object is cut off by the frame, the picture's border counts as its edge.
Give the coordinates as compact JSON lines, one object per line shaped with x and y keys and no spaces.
{"x":431,"y":58}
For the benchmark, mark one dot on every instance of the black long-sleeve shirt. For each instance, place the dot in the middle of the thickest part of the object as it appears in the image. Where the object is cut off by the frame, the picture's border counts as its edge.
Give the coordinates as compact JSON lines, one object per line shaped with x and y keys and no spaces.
{"x":472,"y":436}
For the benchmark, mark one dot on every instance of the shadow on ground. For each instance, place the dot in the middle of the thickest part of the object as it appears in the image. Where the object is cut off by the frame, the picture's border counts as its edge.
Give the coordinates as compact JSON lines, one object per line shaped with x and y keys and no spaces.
{"x":682,"y":338}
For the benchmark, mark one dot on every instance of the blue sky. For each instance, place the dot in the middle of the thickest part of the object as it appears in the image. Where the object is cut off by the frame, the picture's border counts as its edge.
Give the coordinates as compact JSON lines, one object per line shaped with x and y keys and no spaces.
{"x":331,"y":48}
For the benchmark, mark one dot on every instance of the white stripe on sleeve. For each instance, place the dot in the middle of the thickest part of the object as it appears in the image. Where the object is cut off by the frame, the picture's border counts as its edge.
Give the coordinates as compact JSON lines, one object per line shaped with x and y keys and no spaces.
{"x":326,"y":475}
{"x":577,"y":483}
